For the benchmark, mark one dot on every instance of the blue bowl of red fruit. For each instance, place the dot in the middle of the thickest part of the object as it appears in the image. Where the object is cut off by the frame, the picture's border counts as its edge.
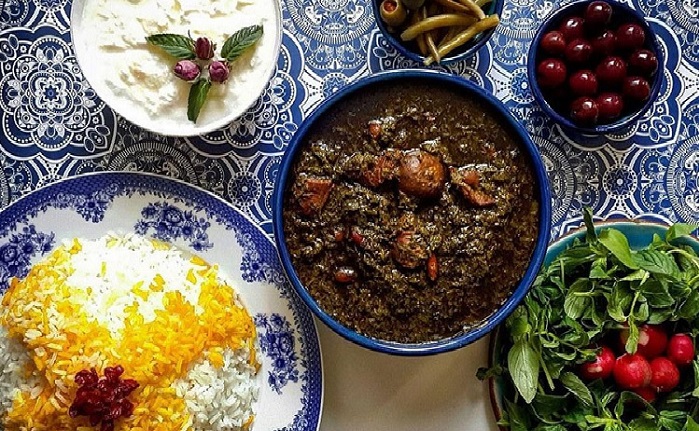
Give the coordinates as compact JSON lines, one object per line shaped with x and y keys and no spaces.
{"x":595,"y":66}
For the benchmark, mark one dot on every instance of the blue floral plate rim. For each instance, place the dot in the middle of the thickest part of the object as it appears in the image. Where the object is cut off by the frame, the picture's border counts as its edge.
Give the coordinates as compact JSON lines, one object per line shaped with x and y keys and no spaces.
{"x":291,"y":377}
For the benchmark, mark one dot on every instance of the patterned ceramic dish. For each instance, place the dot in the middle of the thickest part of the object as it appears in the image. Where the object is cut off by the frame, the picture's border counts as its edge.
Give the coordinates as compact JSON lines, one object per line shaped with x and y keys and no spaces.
{"x":137,"y":81}
{"x":90,"y":206}
{"x":621,"y":14}
{"x":639,"y":233}
{"x":462,"y":53}
{"x":541,"y":188}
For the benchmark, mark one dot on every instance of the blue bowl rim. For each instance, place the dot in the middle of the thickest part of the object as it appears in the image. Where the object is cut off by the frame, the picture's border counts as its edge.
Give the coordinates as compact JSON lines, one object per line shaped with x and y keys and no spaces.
{"x":480,"y":40}
{"x":622,"y":122}
{"x":538,"y":254}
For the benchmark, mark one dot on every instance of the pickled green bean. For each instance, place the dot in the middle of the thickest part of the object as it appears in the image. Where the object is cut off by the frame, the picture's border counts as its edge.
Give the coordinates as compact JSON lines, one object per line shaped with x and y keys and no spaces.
{"x":434,"y":22}
{"x":473,"y":8}
{"x":463,"y":37}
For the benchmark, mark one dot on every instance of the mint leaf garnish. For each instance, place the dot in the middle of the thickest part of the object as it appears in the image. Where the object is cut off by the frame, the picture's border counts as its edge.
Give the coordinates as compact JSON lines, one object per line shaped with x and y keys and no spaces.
{"x":240,"y":41}
{"x":197,"y":98}
{"x":178,"y":46}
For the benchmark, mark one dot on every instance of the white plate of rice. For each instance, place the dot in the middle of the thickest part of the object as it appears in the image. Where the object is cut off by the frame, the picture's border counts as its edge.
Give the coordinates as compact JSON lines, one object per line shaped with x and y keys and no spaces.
{"x":165,"y":281}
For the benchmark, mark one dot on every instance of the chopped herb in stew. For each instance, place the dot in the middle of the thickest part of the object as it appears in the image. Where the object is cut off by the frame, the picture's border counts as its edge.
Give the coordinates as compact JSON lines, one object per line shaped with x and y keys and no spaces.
{"x":411,"y":213}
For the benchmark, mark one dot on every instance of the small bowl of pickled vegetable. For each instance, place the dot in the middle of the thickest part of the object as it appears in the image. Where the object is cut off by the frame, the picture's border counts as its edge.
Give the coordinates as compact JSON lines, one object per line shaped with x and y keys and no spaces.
{"x":437,"y":31}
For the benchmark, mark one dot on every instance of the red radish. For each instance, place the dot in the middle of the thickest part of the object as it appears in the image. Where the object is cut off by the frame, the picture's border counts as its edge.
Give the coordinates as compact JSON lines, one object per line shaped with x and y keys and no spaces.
{"x":632,"y":371}
{"x":601,"y":368}
{"x":680,"y":349}
{"x":665,"y":374}
{"x":647,"y":393}
{"x":652,"y":340}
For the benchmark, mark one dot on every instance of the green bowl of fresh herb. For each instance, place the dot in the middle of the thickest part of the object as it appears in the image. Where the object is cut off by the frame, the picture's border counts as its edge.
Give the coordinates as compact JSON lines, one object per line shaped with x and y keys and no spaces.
{"x":605,"y":339}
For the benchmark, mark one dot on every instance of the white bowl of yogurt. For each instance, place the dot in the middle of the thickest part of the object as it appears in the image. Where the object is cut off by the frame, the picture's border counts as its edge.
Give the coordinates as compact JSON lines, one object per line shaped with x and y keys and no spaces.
{"x":136,"y":78}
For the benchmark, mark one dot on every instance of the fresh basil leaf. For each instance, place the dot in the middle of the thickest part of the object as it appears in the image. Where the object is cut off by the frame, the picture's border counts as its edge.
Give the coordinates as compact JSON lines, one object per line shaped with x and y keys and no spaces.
{"x":198,"y":93}
{"x":240,"y":41}
{"x":523,"y":364}
{"x":517,"y":417}
{"x":518,"y":326}
{"x":660,"y":316}
{"x":548,"y":405}
{"x":690,"y":307}
{"x":644,"y":424}
{"x":691,"y":424}
{"x":678,"y":230}
{"x":576,"y":387}
{"x":599,"y":269}
{"x":656,"y":262}
{"x":657,"y":294}
{"x":178,"y":46}
{"x":669,"y":424}
{"x":619,"y":302}
{"x":632,"y":341}
{"x":639,"y":275}
{"x":576,"y":300}
{"x":642,"y":311}
{"x":591,"y":234}
{"x":618,"y":245}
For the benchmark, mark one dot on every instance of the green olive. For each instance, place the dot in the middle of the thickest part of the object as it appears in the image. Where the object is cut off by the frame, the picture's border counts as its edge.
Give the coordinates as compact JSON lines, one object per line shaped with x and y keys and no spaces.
{"x":393,"y":12}
{"x":413,"y":4}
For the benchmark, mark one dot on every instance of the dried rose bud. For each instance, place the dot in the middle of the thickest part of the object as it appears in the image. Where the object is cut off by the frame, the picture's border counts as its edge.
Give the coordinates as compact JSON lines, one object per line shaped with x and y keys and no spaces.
{"x":204,"y":49}
{"x":218,"y":71}
{"x":187,"y":70}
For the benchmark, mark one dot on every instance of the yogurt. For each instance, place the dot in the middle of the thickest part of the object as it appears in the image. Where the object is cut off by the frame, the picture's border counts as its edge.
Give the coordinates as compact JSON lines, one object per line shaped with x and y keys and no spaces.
{"x":136,"y":78}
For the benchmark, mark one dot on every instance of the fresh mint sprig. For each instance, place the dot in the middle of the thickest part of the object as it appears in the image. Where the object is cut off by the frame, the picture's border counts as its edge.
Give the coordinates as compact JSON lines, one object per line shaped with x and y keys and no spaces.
{"x":178,"y":46}
{"x":198,"y":93}
{"x":240,"y":41}
{"x":197,"y":68}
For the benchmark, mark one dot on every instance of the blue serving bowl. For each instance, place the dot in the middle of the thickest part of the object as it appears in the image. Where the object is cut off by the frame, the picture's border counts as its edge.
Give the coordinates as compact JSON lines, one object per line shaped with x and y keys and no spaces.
{"x":459,"y":85}
{"x":639,"y":233}
{"x":621,"y":13}
{"x":409,"y":49}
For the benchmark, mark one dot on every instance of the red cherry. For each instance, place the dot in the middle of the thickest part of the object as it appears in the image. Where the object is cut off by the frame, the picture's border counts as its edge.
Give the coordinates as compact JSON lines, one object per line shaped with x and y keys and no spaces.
{"x":610,"y":105}
{"x":572,"y":28}
{"x":636,"y":88}
{"x":584,"y":111}
{"x":630,"y":36}
{"x":611,"y":70}
{"x":578,"y":51}
{"x":551,"y":73}
{"x":597,"y":15}
{"x":583,"y":83}
{"x":604,"y":44}
{"x":553,"y":43}
{"x":643,"y":62}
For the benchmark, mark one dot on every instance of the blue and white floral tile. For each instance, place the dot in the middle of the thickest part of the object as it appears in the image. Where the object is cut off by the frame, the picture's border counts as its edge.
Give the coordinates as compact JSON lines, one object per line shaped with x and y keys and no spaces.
{"x":332,"y":34}
{"x":46,"y":106}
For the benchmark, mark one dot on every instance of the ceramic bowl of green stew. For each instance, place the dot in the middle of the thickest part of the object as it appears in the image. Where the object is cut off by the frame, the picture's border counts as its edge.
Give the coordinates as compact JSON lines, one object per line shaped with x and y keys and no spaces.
{"x":411,"y":212}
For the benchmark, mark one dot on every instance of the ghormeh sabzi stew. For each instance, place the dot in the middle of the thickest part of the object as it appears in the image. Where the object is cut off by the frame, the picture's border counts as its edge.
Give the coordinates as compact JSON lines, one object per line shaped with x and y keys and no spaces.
{"x":411,"y":212}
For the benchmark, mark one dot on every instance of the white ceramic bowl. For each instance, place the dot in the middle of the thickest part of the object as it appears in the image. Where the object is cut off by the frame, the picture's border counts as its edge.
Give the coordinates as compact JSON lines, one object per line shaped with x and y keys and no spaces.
{"x":102,"y":65}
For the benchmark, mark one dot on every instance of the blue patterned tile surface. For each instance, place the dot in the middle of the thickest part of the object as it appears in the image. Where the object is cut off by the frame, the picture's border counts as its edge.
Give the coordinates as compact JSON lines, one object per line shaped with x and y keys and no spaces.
{"x":54,"y":126}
